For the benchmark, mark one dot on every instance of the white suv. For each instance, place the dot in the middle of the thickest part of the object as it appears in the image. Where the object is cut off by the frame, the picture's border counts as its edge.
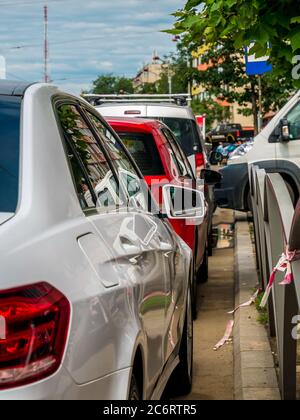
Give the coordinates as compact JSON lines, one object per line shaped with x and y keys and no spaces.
{"x":173,"y":111}
{"x":275,"y":149}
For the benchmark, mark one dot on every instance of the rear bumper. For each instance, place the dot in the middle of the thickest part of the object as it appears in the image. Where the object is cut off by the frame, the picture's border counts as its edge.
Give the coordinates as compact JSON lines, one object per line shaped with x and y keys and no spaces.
{"x":230,"y":193}
{"x":61,"y":386}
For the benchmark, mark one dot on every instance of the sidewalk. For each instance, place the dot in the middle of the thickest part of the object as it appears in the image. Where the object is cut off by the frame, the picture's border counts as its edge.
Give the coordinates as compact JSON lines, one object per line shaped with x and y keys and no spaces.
{"x":254,"y":370}
{"x":245,"y":369}
{"x":213,"y":371}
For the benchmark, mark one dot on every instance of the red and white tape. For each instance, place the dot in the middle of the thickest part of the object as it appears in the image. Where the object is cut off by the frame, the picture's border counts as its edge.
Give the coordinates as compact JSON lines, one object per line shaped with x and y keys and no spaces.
{"x":229,"y":328}
{"x":284,"y":265}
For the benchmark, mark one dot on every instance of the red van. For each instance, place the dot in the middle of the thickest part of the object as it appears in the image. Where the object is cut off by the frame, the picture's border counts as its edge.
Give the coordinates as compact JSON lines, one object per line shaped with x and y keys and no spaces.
{"x":161,"y":160}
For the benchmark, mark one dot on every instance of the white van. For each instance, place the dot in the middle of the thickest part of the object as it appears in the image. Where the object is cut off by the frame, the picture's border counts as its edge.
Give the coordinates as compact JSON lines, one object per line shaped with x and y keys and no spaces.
{"x":275,"y":149}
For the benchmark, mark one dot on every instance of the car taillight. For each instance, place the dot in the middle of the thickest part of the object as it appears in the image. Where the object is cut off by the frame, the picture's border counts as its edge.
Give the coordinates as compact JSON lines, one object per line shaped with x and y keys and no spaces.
{"x":34,"y":323}
{"x":200,"y":162}
{"x":238,"y":134}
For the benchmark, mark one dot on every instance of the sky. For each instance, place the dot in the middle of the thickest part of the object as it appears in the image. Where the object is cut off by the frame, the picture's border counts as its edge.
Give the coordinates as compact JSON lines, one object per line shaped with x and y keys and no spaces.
{"x":86,"y":38}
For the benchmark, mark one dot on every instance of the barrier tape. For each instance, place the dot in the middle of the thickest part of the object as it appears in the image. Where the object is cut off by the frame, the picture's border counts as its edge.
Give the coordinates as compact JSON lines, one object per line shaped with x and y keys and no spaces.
{"x":226,"y":339}
{"x":284,"y":265}
{"x":229,"y":328}
{"x":248,"y":303}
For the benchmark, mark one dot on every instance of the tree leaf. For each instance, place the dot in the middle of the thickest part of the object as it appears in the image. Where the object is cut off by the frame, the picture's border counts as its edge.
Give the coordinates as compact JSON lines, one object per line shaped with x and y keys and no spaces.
{"x":295,"y":40}
{"x":192,"y":3}
{"x":295,"y":19}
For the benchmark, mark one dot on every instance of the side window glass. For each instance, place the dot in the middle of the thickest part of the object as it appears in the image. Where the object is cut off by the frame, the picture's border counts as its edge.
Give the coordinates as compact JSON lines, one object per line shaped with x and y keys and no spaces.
{"x":177,"y":168}
{"x":294,"y":122}
{"x":84,"y":192}
{"x":86,"y":155}
{"x":182,"y":161}
{"x":127,"y":173}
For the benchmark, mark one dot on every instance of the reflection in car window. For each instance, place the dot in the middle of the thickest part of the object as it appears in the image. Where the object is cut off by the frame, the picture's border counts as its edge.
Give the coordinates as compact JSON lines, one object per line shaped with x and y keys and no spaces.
{"x":182,"y":162}
{"x":127,"y":173}
{"x":84,"y":146}
{"x":10,"y":114}
{"x":294,"y":122}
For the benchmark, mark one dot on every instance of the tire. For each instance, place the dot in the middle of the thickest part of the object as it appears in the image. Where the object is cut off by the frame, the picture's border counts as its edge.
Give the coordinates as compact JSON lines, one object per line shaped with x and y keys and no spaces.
{"x":230,"y":138}
{"x":182,"y":378}
{"x":209,"y":245}
{"x":249,"y":202}
{"x":202,"y":275}
{"x":215,"y":158}
{"x":134,"y":392}
{"x":194,"y":293}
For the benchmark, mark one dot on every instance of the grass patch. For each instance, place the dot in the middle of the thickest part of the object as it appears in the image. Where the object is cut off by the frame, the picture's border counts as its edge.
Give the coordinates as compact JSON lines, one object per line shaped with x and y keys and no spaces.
{"x":263,"y":317}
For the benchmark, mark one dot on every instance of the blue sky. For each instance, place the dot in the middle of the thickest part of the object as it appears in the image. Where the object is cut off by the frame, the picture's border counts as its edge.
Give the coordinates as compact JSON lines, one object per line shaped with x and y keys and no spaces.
{"x":87,"y":37}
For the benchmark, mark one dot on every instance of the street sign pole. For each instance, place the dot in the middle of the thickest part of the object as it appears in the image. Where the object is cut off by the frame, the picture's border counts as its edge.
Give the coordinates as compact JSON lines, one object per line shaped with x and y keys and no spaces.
{"x":257,"y":67}
{"x":260,"y":112}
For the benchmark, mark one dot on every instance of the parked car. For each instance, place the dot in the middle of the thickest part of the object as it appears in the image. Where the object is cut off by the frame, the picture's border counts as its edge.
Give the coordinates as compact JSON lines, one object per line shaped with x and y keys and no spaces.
{"x":95,"y":294}
{"x":162,"y":161}
{"x":275,"y":149}
{"x":229,"y":133}
{"x":173,"y":111}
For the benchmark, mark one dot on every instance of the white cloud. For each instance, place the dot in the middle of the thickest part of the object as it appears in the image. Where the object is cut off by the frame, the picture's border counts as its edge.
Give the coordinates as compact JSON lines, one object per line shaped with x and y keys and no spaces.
{"x":86,"y":38}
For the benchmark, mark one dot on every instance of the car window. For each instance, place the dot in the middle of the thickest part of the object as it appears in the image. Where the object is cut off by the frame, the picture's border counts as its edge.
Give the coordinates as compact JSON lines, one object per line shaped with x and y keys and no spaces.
{"x":10,"y":110}
{"x":182,"y":161}
{"x":294,"y":122}
{"x":186,"y":133}
{"x":95,"y":183}
{"x":143,"y":149}
{"x":128,"y":175}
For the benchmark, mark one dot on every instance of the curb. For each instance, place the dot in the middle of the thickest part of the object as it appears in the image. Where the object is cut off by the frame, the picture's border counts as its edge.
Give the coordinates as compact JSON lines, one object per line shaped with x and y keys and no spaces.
{"x":254,"y":369}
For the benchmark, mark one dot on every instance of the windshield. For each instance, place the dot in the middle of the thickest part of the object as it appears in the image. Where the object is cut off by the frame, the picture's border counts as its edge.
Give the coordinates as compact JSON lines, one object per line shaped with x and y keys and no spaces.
{"x":9,"y":152}
{"x":187,"y":134}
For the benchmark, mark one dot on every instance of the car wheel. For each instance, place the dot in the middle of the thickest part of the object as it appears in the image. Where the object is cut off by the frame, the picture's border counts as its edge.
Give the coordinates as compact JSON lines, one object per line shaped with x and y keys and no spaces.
{"x":182,"y":378}
{"x":210,"y":244}
{"x":202,"y":275}
{"x":194,"y":291}
{"x":134,"y":392}
{"x":215,"y":158}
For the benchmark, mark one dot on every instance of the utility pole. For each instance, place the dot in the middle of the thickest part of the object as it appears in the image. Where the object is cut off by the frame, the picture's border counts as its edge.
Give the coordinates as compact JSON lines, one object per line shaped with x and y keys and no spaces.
{"x":46,"y":47}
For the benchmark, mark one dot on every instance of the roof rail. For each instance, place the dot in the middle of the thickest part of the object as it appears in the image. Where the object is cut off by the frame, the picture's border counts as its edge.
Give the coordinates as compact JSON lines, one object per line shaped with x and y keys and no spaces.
{"x":181,"y":99}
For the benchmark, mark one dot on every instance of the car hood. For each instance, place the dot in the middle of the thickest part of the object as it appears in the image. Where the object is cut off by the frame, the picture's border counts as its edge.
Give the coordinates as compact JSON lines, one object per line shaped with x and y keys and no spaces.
{"x":4,"y":217}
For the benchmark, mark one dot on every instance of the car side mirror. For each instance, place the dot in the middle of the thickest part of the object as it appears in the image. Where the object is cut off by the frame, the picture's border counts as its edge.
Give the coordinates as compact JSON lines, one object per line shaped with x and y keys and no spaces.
{"x":284,"y":130}
{"x":210,"y":177}
{"x":183,"y":203}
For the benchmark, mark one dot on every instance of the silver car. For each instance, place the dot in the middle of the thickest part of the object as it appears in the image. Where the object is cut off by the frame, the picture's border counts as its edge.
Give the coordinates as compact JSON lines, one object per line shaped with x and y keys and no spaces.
{"x":95,"y":299}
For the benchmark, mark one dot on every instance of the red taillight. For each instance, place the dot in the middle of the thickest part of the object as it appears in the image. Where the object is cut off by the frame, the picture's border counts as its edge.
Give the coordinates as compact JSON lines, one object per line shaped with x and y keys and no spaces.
{"x":200,"y":162}
{"x":238,"y":134}
{"x":34,"y":323}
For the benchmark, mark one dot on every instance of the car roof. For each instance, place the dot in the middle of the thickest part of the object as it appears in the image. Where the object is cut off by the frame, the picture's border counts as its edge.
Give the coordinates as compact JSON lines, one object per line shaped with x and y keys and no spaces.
{"x":140,"y":123}
{"x":149,"y":110}
{"x":13,"y":88}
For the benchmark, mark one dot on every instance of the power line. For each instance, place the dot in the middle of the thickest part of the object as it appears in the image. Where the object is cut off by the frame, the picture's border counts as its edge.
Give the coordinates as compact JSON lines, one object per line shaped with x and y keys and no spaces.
{"x":71,"y":41}
{"x":30,"y":2}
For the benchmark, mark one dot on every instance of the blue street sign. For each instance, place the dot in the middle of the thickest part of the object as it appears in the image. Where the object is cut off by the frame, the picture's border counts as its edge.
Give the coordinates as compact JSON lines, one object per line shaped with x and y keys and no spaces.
{"x":256,"y":66}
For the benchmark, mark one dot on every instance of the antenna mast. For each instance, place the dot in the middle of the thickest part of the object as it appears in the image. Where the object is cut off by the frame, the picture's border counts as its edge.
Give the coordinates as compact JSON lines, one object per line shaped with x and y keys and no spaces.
{"x":46,"y":47}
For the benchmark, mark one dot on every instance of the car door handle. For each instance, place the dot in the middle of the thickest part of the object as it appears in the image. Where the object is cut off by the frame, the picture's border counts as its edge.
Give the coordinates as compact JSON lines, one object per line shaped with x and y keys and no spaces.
{"x":130,"y":247}
{"x":168,"y":254}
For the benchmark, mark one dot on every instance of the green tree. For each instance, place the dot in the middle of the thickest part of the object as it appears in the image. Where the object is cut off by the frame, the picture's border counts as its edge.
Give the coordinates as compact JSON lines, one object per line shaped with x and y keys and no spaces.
{"x":111,"y":84}
{"x":274,"y":25}
{"x":226,"y":79}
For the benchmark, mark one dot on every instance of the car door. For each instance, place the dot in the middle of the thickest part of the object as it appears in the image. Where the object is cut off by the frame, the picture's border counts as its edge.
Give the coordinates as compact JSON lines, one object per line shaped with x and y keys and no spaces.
{"x":290,"y":151}
{"x":153,"y":263}
{"x":187,"y":178}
